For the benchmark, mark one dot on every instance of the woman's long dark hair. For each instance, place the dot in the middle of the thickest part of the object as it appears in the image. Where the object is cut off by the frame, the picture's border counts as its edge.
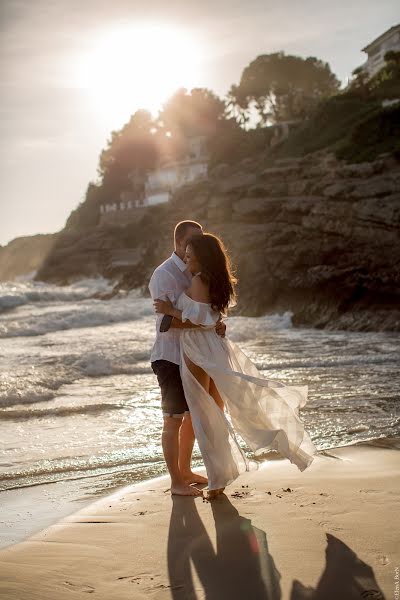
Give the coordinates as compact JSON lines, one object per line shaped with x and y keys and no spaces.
{"x":216,"y":270}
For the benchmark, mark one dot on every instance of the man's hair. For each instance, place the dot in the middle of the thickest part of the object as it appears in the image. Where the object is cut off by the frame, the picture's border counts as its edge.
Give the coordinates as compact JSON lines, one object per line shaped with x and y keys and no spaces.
{"x":182,"y":227}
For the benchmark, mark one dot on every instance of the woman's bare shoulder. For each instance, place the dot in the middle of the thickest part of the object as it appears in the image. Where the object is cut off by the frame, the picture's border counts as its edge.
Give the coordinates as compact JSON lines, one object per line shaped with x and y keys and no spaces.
{"x":198,"y":290}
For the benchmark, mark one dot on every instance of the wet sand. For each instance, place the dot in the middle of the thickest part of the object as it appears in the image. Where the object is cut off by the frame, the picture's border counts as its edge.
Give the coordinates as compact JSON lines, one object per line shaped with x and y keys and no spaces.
{"x":328,"y":533}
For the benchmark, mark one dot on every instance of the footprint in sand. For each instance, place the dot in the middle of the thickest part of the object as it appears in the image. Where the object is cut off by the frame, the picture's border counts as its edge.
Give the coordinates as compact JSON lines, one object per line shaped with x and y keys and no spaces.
{"x":87,"y":589}
{"x":330,"y":526}
{"x":149,"y":580}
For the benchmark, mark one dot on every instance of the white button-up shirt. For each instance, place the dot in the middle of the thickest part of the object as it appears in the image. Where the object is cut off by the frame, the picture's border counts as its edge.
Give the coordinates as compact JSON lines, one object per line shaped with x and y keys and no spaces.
{"x":169,"y":280}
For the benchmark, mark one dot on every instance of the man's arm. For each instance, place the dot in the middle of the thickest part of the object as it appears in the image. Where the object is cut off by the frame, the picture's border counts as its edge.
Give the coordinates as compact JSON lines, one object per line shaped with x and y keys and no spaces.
{"x":177,"y":324}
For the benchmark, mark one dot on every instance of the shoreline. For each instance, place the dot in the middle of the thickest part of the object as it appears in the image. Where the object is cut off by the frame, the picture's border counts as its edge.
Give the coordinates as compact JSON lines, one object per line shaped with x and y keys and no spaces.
{"x":64,"y":497}
{"x":57,"y":500}
{"x":140,"y":542}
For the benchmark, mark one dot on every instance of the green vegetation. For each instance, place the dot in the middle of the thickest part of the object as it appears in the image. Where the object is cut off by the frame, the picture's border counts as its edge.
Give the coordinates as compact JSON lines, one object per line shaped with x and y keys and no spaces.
{"x":282,"y":88}
{"x":378,"y":133}
{"x":384,"y":85}
{"x":328,"y":126}
{"x":353,"y":123}
{"x":273,"y":88}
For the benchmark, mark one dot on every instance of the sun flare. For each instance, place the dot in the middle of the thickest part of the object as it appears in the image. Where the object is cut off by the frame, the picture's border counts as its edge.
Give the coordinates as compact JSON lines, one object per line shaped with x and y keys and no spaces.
{"x":138,"y":67}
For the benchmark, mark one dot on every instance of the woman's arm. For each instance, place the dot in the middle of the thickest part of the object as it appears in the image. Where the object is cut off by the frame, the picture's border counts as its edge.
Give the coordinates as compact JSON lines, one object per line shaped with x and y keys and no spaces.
{"x":198,"y":292}
{"x":166,"y":307}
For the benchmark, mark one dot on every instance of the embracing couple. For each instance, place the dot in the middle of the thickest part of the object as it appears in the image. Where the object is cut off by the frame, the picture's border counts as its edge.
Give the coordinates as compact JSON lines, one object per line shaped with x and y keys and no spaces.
{"x":209,"y":388}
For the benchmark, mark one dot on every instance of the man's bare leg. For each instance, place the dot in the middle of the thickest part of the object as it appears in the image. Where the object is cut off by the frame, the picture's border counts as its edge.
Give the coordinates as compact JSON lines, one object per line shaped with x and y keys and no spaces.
{"x":186,"y":443}
{"x":170,"y":446}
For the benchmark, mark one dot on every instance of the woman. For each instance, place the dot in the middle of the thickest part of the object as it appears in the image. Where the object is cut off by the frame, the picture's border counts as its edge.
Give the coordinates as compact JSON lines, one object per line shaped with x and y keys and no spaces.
{"x":216,"y":374}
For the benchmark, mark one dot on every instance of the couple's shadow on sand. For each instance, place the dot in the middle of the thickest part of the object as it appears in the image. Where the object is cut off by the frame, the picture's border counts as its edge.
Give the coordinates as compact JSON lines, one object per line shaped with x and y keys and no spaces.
{"x":240,"y":567}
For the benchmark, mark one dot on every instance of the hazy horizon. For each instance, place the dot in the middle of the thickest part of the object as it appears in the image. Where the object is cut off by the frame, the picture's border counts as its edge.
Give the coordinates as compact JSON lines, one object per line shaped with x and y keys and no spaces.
{"x":62,"y":95}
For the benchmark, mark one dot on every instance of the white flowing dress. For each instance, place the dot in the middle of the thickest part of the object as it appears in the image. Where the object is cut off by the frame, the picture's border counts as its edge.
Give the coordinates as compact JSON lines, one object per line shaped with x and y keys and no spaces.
{"x":263,"y":412}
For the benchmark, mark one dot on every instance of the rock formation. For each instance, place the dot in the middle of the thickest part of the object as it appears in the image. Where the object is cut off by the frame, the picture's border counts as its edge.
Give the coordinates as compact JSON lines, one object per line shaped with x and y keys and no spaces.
{"x":313,"y":235}
{"x":25,"y":255}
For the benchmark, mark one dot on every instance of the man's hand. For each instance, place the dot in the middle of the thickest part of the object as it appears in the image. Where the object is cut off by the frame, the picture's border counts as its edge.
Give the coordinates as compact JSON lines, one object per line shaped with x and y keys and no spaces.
{"x":220,"y":328}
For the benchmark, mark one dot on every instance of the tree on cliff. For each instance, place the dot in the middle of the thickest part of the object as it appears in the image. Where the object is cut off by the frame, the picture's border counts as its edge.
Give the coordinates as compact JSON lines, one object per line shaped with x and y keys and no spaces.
{"x":281,"y":87}
{"x":192,"y":113}
{"x":186,"y":114}
{"x":360,"y":82}
{"x":134,"y":147}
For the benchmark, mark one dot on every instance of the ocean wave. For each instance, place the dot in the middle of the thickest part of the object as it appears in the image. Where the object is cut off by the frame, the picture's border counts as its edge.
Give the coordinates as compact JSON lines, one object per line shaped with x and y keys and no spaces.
{"x":85,"y":464}
{"x":243,"y":329}
{"x":96,"y":364}
{"x":331,"y":362}
{"x":44,"y":384}
{"x":57,"y":411}
{"x":33,"y":385}
{"x":25,"y":291}
{"x":88,"y":313}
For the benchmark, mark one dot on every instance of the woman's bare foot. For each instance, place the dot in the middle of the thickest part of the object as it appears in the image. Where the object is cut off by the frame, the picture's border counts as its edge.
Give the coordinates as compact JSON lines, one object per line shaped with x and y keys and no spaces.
{"x":212,"y":494}
{"x":194,"y":478}
{"x":183,"y":489}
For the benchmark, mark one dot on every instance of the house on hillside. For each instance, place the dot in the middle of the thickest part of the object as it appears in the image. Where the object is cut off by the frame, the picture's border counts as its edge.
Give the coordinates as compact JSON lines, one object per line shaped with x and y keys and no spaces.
{"x":376,"y":50}
{"x":169,"y":176}
{"x":159,"y":184}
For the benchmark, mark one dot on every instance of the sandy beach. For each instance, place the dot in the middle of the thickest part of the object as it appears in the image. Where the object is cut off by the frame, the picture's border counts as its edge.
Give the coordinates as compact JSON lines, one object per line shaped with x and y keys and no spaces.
{"x":329,"y":532}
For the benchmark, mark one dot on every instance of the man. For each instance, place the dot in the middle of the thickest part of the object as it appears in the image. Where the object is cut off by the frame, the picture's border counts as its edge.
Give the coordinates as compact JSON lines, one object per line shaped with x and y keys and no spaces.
{"x":169,"y":280}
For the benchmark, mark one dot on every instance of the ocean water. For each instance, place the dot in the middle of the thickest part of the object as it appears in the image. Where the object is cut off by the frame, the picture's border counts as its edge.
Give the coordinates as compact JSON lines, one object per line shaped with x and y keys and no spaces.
{"x":80,"y":405}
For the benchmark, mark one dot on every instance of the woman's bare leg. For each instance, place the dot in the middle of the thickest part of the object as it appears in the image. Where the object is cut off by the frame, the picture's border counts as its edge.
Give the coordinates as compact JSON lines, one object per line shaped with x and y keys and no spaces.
{"x":208,"y":384}
{"x":213,"y":391}
{"x":204,"y":380}
{"x":202,"y":377}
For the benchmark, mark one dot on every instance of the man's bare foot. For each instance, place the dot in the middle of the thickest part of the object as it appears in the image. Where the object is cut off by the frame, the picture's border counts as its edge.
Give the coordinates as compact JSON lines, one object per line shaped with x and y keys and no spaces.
{"x":194,"y":478}
{"x":183,"y":489}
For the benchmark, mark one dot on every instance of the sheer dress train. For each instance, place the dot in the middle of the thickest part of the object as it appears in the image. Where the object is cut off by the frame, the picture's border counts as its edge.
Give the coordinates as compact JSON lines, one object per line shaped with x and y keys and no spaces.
{"x":263,"y":412}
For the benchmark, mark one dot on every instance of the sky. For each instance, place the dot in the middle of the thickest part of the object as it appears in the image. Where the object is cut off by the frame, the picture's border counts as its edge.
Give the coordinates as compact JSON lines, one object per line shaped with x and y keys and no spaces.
{"x":72,"y":71}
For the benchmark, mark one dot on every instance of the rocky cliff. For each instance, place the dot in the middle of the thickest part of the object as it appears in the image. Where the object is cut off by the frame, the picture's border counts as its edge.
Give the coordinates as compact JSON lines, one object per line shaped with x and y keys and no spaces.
{"x":25,"y":255}
{"x":313,"y":235}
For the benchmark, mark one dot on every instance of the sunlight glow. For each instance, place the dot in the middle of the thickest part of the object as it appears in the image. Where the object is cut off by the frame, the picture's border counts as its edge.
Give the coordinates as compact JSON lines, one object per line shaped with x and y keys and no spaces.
{"x":138,"y":67}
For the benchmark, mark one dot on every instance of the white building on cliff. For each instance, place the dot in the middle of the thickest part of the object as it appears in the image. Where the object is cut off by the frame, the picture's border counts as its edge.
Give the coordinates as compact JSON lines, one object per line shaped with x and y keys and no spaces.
{"x":163,"y":181}
{"x":160,"y":183}
{"x":376,"y":50}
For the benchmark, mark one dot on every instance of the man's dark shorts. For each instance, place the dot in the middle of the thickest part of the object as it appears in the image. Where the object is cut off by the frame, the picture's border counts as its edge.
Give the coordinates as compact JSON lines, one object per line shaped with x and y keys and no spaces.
{"x":173,"y":401}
